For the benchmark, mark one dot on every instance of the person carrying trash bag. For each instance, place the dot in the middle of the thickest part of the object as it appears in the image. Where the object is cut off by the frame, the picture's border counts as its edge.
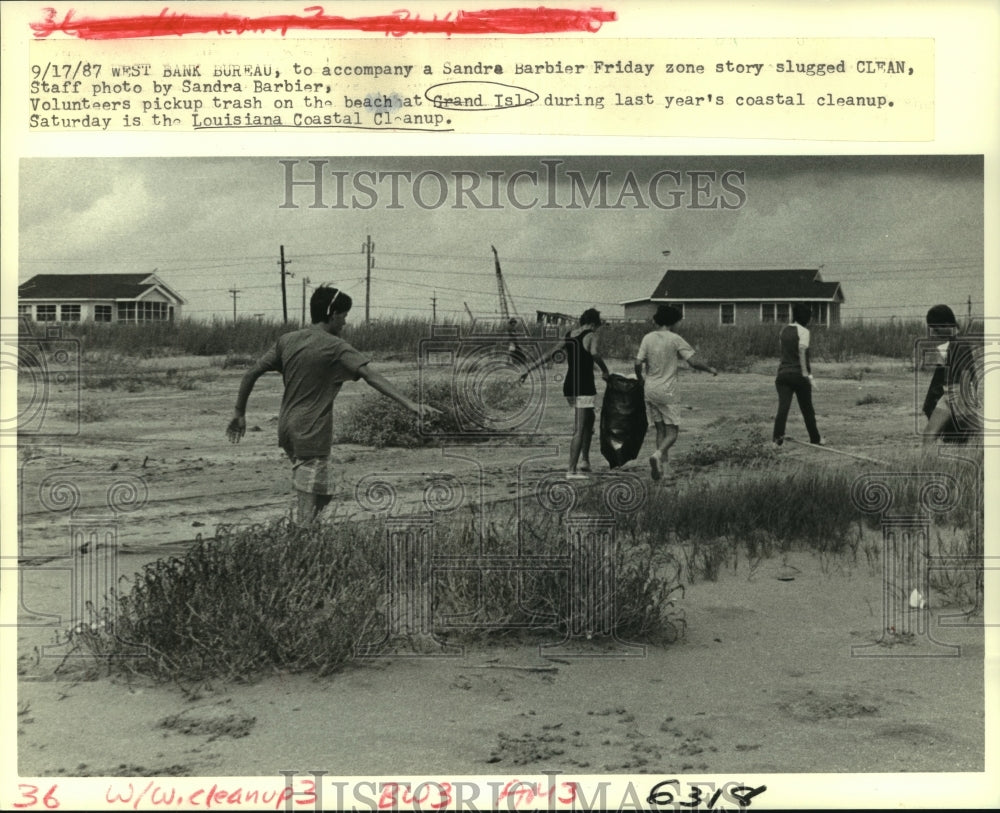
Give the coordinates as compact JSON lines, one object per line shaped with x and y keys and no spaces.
{"x":623,"y":420}
{"x":656,"y":367}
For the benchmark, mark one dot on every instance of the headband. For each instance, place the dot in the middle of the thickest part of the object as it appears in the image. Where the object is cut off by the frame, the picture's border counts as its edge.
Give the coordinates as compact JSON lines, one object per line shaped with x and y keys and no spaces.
{"x":329,"y":308}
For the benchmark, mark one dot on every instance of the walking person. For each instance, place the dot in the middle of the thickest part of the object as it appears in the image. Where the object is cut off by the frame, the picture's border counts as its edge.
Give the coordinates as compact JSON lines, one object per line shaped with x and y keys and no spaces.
{"x":579,"y":387}
{"x":795,"y":376}
{"x":656,"y":363}
{"x":314,"y":362}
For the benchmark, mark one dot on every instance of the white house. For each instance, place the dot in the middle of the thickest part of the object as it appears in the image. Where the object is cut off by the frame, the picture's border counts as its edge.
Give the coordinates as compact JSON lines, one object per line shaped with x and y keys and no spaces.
{"x":98,"y":298}
{"x":742,"y":297}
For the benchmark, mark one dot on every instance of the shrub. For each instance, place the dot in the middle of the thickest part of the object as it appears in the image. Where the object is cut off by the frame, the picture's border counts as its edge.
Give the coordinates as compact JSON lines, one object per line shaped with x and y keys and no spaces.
{"x":509,"y":603}
{"x":250,"y":600}
{"x":751,"y":449}
{"x":379,"y":421}
{"x":868,"y":398}
{"x":90,"y":412}
{"x":271,"y":597}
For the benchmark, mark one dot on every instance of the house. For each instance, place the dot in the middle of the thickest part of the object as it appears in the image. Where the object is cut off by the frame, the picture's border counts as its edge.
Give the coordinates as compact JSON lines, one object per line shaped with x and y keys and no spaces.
{"x":98,"y":298}
{"x":742,"y":297}
{"x":553,"y":318}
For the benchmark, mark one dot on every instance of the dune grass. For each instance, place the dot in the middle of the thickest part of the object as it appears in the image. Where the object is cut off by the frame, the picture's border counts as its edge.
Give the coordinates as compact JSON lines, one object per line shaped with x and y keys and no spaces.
{"x":257,"y":599}
{"x":730,"y":349}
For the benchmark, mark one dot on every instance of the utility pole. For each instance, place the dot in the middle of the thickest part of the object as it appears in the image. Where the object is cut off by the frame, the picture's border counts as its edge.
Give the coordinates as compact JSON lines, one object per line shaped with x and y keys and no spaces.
{"x":305,"y":282}
{"x":968,"y":310}
{"x":434,"y":308}
{"x":368,"y":248}
{"x":234,"y":291}
{"x":284,"y":294}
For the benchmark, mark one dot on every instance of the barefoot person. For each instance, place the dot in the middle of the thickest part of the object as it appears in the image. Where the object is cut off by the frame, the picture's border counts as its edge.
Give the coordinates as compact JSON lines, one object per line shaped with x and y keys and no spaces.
{"x":580,"y":347}
{"x":314,"y":362}
{"x":656,"y":364}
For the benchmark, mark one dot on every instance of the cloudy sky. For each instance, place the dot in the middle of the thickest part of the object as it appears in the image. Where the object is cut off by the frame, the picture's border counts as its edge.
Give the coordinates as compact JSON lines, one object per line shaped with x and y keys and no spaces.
{"x":899,"y":233}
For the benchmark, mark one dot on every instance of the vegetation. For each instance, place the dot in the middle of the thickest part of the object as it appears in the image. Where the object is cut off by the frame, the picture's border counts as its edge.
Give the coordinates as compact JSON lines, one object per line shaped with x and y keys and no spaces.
{"x":730,"y":349}
{"x":265,"y":597}
{"x":471,"y":416}
{"x":116,"y":372}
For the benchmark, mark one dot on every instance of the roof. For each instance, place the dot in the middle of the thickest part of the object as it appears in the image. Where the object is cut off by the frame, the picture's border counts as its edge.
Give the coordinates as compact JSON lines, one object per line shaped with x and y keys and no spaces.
{"x":781,"y":285}
{"x":92,"y":286}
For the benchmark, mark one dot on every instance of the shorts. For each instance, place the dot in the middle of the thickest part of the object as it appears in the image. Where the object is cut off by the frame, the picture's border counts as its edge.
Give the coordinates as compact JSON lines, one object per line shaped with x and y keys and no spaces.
{"x":661,"y":411}
{"x":581,"y":401}
{"x":312,"y":475}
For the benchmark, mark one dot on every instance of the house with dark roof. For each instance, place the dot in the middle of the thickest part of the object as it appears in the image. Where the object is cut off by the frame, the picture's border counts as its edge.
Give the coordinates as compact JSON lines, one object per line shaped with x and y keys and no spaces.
{"x":98,"y":298}
{"x":742,"y":297}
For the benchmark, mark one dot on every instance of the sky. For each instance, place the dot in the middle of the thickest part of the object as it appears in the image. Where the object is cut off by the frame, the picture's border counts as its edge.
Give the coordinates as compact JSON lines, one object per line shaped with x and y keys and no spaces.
{"x":899,"y":233}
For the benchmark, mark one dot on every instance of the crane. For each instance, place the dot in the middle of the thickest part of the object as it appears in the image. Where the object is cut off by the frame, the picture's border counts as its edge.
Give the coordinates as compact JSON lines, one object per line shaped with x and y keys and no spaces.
{"x":506,"y":301}
{"x":514,"y":352}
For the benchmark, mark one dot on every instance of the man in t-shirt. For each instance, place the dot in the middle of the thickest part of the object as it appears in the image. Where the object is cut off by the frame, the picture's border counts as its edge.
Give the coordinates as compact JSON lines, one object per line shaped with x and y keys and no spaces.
{"x":953,"y":405}
{"x":314,"y":362}
{"x":656,"y":364}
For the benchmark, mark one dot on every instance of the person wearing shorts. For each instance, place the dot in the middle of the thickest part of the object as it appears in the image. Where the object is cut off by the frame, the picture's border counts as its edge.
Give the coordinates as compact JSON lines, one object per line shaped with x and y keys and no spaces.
{"x":656,"y":362}
{"x":579,"y":388}
{"x":314,"y":363}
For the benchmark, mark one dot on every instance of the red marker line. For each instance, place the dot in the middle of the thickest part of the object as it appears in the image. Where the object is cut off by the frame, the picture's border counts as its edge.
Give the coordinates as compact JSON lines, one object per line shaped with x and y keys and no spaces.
{"x":169,"y":23}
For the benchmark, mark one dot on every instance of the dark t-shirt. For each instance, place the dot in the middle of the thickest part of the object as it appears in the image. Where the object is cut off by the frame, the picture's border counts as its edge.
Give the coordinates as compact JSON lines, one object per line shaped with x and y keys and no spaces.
{"x":791,"y":338}
{"x":314,"y":365}
{"x":579,"y":367}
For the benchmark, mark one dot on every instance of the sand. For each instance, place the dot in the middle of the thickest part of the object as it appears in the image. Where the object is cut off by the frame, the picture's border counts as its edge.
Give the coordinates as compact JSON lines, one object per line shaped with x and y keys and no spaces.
{"x":768,"y":678}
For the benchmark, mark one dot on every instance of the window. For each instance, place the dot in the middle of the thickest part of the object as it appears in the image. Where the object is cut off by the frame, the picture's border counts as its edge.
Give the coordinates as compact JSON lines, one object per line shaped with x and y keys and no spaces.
{"x":142,"y":312}
{"x":24,"y":310}
{"x":152,"y":311}
{"x":45,"y":313}
{"x":819,"y":313}
{"x":102,"y":313}
{"x":775,"y":312}
{"x":727,"y":314}
{"x":69,"y":313}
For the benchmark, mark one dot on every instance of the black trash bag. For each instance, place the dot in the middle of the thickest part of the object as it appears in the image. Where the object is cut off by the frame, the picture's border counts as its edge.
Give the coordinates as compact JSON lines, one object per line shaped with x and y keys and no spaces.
{"x":623,"y":420}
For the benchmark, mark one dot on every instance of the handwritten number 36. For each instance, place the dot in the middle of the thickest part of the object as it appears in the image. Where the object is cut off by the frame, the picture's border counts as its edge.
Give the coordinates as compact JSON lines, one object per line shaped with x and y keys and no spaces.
{"x":30,"y":793}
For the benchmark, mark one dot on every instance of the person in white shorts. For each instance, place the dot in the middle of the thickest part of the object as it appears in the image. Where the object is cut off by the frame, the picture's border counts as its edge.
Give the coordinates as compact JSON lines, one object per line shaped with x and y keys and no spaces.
{"x":314,"y":362}
{"x":579,"y":388}
{"x":656,"y":363}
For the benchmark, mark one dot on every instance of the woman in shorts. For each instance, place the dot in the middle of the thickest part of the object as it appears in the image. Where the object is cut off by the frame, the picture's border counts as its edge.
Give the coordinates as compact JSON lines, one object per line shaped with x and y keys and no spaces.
{"x":579,"y":388}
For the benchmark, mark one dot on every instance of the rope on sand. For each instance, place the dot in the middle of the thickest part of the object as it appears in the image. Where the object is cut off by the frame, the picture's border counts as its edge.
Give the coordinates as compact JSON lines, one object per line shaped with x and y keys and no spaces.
{"x":838,"y":451}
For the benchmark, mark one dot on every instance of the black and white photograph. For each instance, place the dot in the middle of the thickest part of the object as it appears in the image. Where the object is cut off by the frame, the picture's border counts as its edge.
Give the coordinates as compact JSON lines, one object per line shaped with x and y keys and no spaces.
{"x":475,"y":407}
{"x":447,"y":466}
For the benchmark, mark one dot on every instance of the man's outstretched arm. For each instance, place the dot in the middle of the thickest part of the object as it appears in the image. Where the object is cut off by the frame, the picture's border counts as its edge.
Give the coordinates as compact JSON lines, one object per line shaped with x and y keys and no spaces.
{"x":380,"y":383}
{"x":238,"y":425}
